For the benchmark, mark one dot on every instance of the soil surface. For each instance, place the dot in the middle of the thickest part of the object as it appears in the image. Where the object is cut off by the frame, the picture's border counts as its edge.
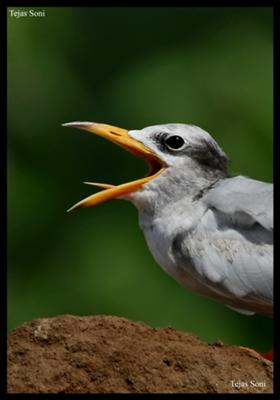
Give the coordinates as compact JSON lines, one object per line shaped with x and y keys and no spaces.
{"x":70,"y":354}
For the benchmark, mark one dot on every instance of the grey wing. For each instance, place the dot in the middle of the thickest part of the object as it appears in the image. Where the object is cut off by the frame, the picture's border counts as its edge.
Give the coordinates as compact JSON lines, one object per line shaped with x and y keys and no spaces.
{"x":246,"y":199}
{"x":232,"y":246}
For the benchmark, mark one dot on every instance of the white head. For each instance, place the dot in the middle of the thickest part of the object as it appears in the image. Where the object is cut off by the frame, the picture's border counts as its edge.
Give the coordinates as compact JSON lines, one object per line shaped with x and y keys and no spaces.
{"x":192,"y":157}
{"x":175,"y":143}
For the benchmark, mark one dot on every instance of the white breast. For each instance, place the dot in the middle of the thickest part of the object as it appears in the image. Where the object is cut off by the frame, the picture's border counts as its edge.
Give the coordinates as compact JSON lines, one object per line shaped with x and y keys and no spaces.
{"x":160,"y":233}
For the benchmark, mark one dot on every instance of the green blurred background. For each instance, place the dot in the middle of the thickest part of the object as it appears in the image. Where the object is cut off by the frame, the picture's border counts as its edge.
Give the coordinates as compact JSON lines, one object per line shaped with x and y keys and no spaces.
{"x":130,"y":67}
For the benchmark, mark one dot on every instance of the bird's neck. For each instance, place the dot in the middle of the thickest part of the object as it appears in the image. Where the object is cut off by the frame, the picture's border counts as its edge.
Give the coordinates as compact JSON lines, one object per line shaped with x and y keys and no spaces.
{"x":169,"y":188}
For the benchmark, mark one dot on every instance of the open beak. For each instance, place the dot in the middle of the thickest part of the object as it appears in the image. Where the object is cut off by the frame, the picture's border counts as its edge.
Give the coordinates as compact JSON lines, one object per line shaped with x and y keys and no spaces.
{"x":120,"y":137}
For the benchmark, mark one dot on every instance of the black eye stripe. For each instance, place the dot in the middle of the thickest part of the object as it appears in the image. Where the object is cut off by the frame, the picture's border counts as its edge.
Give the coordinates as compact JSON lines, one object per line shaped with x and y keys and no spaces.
{"x":175,"y":142}
{"x":205,"y":152}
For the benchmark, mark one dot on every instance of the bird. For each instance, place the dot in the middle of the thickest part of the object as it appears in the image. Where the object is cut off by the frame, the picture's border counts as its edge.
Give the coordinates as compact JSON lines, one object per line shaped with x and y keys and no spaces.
{"x":211,"y":232}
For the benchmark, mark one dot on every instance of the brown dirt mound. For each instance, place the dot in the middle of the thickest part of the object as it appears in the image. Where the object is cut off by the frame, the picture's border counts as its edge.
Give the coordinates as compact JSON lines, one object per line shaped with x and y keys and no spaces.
{"x":69,"y":354}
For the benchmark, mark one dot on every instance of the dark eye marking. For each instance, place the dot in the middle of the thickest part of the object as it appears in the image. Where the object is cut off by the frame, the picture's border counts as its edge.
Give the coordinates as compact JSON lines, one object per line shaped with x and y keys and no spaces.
{"x":209,"y":154}
{"x":206,"y":152}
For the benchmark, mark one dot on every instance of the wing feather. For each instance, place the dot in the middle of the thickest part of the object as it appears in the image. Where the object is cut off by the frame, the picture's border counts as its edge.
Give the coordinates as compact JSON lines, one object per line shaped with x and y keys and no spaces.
{"x":232,"y":246}
{"x":247,"y":200}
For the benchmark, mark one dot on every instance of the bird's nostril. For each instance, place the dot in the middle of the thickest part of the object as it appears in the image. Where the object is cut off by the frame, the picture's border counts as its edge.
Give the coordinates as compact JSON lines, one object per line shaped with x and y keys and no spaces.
{"x":115,"y":133}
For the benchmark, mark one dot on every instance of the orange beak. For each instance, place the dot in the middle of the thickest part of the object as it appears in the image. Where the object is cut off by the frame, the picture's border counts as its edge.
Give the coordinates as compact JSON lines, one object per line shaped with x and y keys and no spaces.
{"x":120,"y":137}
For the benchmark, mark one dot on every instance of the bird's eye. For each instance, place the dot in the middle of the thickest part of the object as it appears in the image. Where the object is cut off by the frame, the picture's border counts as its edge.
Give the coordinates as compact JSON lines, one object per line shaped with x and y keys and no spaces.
{"x":175,"y":142}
